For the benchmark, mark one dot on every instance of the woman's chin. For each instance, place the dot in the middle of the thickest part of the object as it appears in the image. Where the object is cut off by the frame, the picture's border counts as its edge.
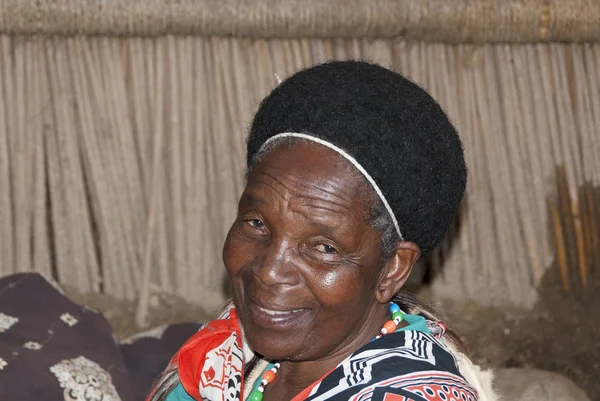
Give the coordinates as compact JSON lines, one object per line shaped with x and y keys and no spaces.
{"x":274,"y":353}
{"x":274,"y":347}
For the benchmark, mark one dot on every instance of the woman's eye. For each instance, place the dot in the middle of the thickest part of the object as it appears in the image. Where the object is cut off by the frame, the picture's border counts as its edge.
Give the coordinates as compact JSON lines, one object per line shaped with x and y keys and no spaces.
{"x":325,"y":248}
{"x":256,"y":223}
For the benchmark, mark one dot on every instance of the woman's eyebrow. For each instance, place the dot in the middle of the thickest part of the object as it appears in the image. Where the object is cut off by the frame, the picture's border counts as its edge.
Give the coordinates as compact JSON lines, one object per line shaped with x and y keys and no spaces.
{"x":248,"y":197}
{"x":328,"y":205}
{"x":317,"y":225}
{"x":323,"y":228}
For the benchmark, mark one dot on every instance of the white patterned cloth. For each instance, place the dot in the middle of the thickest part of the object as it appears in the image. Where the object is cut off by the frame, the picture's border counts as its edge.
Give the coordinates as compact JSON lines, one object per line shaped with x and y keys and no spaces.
{"x":84,"y":380}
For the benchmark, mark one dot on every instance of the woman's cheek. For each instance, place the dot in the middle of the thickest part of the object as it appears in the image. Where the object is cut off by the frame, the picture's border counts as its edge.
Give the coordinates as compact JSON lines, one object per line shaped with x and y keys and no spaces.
{"x":237,"y":251}
{"x":337,"y":285}
{"x":232,"y":252}
{"x":329,"y":280}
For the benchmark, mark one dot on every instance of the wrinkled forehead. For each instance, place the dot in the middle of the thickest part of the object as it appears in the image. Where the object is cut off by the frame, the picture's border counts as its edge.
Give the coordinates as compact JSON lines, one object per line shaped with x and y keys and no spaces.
{"x":309,"y":167}
{"x":343,"y":160}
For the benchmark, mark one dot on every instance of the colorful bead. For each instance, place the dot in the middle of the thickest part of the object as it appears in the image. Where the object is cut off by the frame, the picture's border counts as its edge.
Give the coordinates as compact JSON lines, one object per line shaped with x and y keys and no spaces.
{"x":398,"y":315}
{"x":269,"y":376}
{"x":394,"y":308}
{"x":390,"y":326}
{"x":256,"y":396}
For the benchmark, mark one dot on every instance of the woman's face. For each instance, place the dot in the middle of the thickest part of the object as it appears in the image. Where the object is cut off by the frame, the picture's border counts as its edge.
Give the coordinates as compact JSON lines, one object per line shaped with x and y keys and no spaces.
{"x":302,"y":257}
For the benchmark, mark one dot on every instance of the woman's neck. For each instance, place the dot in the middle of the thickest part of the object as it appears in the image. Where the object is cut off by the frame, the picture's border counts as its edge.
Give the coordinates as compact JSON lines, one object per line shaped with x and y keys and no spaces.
{"x":295,"y":376}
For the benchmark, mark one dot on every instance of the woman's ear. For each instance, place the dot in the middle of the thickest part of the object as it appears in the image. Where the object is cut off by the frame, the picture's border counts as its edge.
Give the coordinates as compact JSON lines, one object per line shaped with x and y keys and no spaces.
{"x":396,"y":270}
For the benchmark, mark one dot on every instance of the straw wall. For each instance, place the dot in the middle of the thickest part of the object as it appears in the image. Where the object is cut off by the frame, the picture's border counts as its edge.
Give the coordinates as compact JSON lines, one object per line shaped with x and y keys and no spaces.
{"x":456,"y":21}
{"x":121,"y":158}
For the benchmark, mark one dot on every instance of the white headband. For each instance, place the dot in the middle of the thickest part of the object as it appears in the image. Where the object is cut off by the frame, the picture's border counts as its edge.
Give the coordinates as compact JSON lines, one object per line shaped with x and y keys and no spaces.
{"x":351,"y":160}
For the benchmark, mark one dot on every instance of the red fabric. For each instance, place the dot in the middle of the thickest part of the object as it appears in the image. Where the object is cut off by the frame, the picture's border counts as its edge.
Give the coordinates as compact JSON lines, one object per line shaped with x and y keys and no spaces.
{"x":191,"y":356}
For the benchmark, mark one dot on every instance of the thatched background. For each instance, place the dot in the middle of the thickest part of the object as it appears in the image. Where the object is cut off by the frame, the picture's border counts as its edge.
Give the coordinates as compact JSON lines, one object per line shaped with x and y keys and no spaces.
{"x":456,"y":21}
{"x":121,"y":157}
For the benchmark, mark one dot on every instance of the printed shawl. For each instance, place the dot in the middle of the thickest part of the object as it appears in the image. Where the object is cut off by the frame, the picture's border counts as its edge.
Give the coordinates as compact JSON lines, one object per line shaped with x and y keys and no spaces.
{"x":404,"y":366}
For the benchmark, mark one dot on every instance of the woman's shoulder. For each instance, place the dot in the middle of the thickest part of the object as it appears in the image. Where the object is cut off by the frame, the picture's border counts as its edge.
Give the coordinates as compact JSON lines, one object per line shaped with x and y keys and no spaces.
{"x":407,"y":352}
{"x":410,"y":364}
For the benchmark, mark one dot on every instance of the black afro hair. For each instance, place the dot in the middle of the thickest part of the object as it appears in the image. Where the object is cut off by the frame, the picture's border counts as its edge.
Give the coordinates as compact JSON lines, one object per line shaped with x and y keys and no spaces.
{"x":391,"y":126}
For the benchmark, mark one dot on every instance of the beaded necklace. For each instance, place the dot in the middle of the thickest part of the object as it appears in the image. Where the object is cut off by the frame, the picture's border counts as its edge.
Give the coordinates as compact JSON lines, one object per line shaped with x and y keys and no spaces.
{"x":388,"y":327}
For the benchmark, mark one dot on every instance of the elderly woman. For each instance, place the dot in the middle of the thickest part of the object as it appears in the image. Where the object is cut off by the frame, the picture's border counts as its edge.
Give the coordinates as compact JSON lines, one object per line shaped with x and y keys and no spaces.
{"x":353,"y":173}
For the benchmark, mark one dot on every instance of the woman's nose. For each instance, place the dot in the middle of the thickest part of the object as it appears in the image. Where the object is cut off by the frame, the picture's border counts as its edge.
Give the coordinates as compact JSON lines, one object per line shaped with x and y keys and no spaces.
{"x":277,"y":265}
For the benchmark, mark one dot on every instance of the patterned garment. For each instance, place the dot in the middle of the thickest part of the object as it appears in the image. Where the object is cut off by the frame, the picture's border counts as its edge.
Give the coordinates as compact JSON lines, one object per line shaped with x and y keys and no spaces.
{"x":403,"y":366}
{"x":210,"y":364}
{"x":408,"y":365}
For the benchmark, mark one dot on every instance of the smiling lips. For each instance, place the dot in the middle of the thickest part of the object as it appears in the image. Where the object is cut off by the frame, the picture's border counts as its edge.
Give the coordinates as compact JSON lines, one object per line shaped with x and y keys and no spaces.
{"x":278,"y":312}
{"x":275,"y":318}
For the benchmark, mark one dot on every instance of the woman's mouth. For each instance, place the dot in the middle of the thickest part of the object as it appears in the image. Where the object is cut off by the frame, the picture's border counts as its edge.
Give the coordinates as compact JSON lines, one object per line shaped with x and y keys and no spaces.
{"x":275,"y":318}
{"x":278,"y":312}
